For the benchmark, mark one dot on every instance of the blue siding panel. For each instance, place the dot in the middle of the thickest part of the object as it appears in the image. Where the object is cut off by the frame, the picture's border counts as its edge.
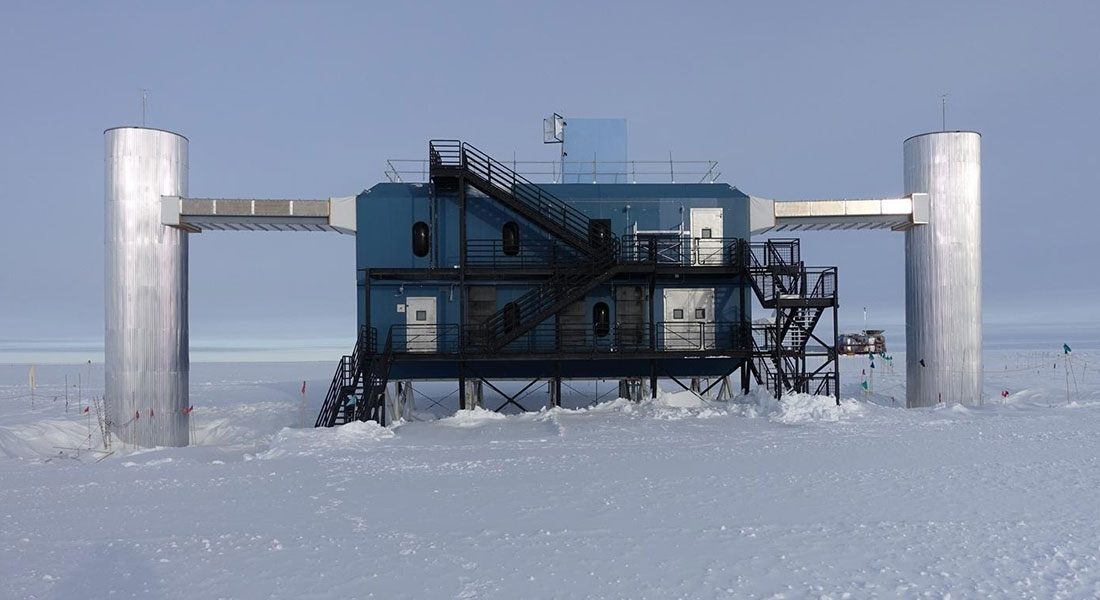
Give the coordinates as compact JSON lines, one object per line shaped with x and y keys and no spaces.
{"x":387,"y":211}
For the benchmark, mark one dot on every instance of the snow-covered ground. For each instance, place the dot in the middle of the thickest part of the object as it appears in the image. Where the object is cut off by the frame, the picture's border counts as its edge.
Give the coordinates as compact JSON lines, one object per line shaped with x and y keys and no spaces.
{"x":674,"y":498}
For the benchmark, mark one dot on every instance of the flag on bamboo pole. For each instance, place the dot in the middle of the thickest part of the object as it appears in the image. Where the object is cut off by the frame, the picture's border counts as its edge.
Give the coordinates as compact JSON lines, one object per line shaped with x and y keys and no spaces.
{"x":1066,"y":348}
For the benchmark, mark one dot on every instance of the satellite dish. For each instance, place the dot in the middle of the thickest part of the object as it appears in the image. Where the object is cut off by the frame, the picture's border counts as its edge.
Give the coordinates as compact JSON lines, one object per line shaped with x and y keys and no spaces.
{"x":553,"y":129}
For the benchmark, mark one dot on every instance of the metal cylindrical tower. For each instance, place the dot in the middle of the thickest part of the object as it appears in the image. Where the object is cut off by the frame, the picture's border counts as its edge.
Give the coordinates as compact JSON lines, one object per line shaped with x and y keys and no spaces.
{"x":145,"y":281}
{"x":943,"y":271}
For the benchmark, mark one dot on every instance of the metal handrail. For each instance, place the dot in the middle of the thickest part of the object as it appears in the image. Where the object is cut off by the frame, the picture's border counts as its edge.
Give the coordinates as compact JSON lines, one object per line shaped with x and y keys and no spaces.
{"x":535,"y":252}
{"x":400,"y":170}
{"x":498,"y":175}
{"x":539,"y":252}
{"x":825,"y":286}
{"x":372,"y":406}
{"x":347,"y":370}
{"x":446,"y":153}
{"x":535,"y":305}
{"x":429,"y":339}
{"x":549,"y":337}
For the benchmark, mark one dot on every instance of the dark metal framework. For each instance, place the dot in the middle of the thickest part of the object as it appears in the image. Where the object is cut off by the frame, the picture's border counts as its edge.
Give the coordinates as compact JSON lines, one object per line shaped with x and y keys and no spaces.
{"x":786,"y":355}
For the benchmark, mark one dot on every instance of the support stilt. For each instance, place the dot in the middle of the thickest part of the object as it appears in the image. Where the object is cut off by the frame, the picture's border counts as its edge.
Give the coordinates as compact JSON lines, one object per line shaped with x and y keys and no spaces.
{"x":631,"y":389}
{"x":554,"y":388}
{"x":473,"y":394}
{"x":725,"y":389}
{"x":401,"y":402}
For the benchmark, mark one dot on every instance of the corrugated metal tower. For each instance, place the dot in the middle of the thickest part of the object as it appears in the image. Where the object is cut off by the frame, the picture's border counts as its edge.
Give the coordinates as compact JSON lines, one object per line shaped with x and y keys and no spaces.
{"x":943,"y":271}
{"x":145,"y":278}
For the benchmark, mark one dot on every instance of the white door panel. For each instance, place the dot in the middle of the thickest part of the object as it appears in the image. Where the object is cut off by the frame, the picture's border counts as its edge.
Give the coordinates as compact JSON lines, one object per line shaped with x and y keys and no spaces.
{"x":422,"y":331}
{"x":706,"y":236}
{"x":688,"y":319}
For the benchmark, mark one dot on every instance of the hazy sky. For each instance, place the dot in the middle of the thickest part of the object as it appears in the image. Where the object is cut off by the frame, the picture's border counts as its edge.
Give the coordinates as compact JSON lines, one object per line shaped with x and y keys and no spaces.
{"x":308,"y":100}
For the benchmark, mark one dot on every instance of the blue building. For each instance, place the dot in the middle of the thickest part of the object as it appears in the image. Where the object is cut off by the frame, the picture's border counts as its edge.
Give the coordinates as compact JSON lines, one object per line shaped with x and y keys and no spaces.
{"x":479,"y":274}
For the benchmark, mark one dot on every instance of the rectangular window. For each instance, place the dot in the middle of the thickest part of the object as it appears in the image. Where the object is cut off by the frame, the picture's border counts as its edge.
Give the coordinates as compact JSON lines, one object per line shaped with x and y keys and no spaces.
{"x":706,"y":233}
{"x":700,"y":313}
{"x":421,"y":315}
{"x":678,"y":313}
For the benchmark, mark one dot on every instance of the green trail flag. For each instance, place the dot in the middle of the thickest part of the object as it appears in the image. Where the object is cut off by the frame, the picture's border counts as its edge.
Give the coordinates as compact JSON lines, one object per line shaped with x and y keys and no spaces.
{"x":864,"y":384}
{"x":1066,"y":348}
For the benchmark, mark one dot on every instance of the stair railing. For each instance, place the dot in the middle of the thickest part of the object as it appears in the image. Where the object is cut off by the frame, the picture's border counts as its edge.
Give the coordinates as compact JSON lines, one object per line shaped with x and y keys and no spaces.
{"x":522,"y":314}
{"x":372,"y":404}
{"x":528,"y":194}
{"x":345,"y":379}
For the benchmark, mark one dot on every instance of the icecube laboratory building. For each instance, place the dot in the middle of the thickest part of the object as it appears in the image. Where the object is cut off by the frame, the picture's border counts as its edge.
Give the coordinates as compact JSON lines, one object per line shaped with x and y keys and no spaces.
{"x":470,"y":271}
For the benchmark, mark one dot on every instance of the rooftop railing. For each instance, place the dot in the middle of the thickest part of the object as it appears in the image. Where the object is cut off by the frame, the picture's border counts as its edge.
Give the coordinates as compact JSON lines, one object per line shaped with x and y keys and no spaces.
{"x":556,"y":171}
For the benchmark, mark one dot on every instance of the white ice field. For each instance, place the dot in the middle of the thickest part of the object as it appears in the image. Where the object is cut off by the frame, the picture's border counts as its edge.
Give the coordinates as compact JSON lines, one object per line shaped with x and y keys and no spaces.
{"x":677,"y":498}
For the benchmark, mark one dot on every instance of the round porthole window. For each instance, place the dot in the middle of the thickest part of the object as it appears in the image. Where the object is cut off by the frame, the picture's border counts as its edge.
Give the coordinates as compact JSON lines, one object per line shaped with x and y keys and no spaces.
{"x":421,"y":238}
{"x":510,"y":235}
{"x":601,"y":319}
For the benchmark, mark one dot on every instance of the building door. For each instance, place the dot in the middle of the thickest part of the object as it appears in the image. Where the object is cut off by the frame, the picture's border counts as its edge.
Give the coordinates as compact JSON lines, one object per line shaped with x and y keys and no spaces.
{"x":574,"y":325}
{"x":481,"y":305}
{"x":706,"y":236}
{"x":630,"y":316}
{"x":422,"y":332}
{"x":688,"y":319}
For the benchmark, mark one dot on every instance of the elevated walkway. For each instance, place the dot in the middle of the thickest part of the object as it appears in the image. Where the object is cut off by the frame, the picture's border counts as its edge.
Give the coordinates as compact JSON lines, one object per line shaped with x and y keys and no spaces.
{"x":195,"y":215}
{"x":897,"y":214}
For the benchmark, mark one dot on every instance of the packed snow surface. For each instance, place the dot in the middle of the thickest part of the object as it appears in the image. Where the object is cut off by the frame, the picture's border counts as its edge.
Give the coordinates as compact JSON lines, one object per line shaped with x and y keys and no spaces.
{"x":677,"y":497}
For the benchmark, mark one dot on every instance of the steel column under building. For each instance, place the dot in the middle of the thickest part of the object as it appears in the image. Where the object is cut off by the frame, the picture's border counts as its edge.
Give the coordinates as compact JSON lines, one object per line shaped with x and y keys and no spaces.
{"x":145,"y":276}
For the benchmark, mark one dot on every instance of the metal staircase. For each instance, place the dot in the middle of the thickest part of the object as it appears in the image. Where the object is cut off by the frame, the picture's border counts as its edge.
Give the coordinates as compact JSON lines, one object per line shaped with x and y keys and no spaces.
{"x":800,"y":297}
{"x":358,"y":388}
{"x":532,"y":308}
{"x":452,"y":159}
{"x":798,"y":331}
{"x":453,"y":163}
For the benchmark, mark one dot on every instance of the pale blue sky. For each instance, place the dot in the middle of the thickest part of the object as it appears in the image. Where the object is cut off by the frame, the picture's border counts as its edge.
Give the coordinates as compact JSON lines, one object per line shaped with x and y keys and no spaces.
{"x":796,"y":100}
